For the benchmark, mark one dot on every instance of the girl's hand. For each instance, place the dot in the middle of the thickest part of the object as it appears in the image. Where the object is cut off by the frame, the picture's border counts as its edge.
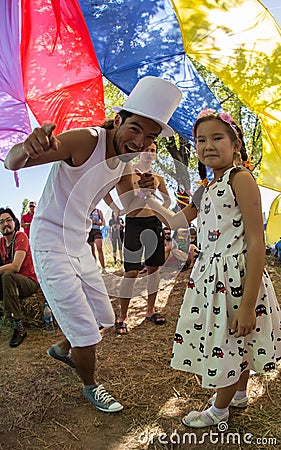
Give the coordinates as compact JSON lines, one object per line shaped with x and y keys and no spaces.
{"x":244,"y":321}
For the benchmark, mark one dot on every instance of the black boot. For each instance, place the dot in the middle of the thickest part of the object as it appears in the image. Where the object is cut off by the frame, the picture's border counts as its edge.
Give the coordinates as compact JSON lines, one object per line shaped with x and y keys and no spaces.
{"x":18,"y":336}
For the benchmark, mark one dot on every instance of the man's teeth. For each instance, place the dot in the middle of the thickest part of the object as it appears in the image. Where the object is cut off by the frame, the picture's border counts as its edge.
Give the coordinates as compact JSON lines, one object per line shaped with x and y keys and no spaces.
{"x":132,"y":149}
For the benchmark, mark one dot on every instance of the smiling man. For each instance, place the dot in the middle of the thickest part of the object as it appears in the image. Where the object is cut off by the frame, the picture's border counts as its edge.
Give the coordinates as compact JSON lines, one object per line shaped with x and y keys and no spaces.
{"x":17,"y":275}
{"x":88,"y":163}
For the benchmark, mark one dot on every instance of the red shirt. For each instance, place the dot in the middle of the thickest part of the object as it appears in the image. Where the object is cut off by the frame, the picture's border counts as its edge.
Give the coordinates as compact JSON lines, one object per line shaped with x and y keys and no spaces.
{"x":27,"y":218}
{"x":21,"y":243}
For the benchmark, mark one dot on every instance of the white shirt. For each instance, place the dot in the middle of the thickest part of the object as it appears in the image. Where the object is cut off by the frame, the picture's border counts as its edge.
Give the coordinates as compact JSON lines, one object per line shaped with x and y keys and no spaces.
{"x":61,"y":221}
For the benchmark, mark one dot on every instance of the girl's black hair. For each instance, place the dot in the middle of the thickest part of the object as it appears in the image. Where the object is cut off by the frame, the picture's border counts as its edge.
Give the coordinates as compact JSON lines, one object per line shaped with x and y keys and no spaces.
{"x":202,"y":170}
{"x":9,"y":211}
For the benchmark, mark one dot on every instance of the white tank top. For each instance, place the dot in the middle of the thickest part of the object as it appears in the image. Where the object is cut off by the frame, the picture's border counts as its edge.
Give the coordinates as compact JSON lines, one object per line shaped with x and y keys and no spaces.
{"x":61,"y":222}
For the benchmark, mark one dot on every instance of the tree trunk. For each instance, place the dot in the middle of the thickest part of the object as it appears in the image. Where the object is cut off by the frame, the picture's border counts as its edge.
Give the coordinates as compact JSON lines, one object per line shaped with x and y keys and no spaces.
{"x":181,"y":160}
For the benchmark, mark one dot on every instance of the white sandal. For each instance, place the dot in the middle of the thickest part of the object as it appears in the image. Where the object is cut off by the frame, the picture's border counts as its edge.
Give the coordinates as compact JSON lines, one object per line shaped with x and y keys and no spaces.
{"x":196,"y":419}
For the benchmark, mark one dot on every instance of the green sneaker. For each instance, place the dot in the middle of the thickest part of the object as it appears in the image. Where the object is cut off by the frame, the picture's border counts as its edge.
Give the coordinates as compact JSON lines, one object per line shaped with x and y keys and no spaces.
{"x":102,"y":400}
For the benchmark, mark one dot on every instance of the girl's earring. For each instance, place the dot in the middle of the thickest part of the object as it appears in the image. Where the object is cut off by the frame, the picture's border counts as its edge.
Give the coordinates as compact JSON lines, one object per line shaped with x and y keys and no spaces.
{"x":237,"y":159}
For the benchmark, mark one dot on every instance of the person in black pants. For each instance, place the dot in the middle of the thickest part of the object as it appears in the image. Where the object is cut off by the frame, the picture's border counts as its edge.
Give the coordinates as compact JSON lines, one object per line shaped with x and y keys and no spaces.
{"x":143,"y":235}
{"x":116,"y":234}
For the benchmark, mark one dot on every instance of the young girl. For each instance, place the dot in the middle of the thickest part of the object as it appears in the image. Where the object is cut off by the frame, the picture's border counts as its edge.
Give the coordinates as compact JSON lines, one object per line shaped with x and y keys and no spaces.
{"x":229,"y":321}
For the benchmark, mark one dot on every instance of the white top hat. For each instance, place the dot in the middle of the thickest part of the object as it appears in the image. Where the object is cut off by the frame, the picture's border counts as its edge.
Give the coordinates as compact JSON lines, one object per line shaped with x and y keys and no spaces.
{"x":155,"y":99}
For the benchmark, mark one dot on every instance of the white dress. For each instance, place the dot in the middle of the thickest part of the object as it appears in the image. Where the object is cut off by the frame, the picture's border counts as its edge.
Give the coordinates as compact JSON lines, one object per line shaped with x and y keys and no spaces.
{"x":203,"y":342}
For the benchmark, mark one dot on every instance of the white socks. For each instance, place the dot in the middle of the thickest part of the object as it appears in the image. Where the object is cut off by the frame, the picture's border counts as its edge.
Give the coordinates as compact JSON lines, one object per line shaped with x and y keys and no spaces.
{"x":240,"y":394}
{"x":219,"y":413}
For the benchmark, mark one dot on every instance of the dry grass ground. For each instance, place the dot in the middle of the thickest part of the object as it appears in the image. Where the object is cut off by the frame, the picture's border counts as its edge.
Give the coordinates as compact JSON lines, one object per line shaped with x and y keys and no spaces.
{"x":42,"y":406}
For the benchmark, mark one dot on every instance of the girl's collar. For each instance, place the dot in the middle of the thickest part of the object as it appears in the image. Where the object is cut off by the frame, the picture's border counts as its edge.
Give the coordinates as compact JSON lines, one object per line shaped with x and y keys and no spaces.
{"x":207,"y":183}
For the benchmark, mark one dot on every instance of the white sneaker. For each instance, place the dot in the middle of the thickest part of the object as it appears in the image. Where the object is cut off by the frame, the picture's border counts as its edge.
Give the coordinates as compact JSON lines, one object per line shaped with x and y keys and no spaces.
{"x":237,"y":403}
{"x":102,"y":400}
{"x":104,"y":271}
{"x":197,"y":419}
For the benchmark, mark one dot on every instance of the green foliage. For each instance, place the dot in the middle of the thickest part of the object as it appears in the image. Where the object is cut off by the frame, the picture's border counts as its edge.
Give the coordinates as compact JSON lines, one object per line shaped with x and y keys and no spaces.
{"x":177,"y":153}
{"x":230,"y":102}
{"x":24,"y":206}
{"x":112,"y":97}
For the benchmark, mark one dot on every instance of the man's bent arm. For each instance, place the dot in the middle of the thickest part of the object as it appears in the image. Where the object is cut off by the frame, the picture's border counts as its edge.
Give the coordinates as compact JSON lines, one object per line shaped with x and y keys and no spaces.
{"x":40,"y":148}
{"x":110,"y":202}
{"x":16,"y":264}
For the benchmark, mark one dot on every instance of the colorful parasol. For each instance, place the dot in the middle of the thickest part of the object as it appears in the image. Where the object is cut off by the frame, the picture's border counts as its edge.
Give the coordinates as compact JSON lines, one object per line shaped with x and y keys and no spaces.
{"x":67,"y":46}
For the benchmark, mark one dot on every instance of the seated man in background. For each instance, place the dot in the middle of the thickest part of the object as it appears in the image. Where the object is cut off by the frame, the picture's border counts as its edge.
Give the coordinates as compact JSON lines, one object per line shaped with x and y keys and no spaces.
{"x":170,"y":246}
{"x":193,"y":249}
{"x":17,"y":275}
{"x":185,"y":256}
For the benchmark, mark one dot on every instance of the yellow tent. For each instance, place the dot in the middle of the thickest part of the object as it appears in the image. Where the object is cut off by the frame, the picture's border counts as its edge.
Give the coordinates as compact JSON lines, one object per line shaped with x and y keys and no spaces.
{"x":273,"y":227}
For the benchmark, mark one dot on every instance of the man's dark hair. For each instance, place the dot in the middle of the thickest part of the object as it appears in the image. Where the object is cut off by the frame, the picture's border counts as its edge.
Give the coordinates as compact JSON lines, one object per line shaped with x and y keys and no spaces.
{"x":9,"y":211}
{"x":108,"y":124}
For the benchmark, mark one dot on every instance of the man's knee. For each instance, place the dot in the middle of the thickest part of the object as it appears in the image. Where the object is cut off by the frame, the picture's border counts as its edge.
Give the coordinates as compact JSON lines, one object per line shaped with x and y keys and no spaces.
{"x":131,"y":274}
{"x":127,"y":284}
{"x":7,"y":278}
{"x":152,"y":269}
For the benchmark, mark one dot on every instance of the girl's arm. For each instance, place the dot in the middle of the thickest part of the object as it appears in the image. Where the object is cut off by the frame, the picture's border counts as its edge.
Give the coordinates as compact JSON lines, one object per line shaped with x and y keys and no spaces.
{"x":249,"y":201}
{"x":164,"y":192}
{"x":171,"y":219}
